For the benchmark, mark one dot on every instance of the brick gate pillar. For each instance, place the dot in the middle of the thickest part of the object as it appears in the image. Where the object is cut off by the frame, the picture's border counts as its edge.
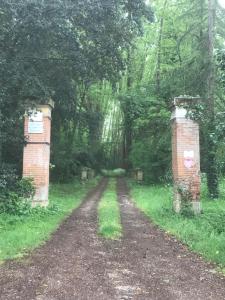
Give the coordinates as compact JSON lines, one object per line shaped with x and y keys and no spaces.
{"x":185,"y":156}
{"x":36,"y":156}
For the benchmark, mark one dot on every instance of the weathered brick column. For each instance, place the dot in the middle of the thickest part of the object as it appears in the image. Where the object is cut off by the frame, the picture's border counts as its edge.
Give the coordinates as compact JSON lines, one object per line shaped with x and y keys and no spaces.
{"x":36,"y":157}
{"x":185,"y":156}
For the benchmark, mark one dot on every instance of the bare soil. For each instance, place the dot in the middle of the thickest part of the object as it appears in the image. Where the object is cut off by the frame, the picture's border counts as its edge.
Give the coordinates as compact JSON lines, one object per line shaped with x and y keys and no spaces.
{"x":78,"y":264}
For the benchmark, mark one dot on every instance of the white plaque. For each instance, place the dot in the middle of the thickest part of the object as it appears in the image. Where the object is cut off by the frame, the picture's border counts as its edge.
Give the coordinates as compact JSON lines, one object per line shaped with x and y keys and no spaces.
{"x":36,"y":116}
{"x":189,"y":159}
{"x":35,"y":127}
{"x":188,"y":154}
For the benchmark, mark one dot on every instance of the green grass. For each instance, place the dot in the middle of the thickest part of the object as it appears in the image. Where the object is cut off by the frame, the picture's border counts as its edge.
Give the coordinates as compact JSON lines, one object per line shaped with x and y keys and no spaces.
{"x":22,"y":234}
{"x":114,"y":173}
{"x":204,"y":234}
{"x":109,"y":213}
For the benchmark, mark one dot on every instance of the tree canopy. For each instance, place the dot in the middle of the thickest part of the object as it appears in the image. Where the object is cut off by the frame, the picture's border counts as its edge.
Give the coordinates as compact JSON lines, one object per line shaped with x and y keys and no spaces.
{"x":112,"y":68}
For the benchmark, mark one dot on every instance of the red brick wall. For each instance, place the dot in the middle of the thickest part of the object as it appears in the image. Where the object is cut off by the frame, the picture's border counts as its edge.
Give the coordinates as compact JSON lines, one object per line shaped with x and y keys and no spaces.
{"x":36,"y":159}
{"x":185,"y":158}
{"x":38,"y":137}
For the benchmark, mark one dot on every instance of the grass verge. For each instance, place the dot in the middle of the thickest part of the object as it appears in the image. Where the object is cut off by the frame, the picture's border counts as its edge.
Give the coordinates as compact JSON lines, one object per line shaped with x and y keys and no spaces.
{"x":22,"y":234}
{"x":204,"y":234}
{"x":109,"y":213}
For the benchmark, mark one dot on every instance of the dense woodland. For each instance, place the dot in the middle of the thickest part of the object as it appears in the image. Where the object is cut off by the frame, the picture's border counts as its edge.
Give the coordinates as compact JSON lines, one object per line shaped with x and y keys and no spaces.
{"x":112,"y":69}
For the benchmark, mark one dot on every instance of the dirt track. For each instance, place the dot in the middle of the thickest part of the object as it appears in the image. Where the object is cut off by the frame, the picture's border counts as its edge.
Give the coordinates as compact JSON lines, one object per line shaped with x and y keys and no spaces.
{"x":77,"y":264}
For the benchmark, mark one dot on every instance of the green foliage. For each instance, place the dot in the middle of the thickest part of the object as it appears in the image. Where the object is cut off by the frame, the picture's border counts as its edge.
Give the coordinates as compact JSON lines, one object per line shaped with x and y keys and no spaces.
{"x":13,"y":204}
{"x":172,"y":59}
{"x":112,"y":87}
{"x":215,"y":220}
{"x":63,"y":50}
{"x":16,"y":195}
{"x":151,"y":137}
{"x":25,"y":188}
{"x":153,"y":158}
{"x":8,"y":178}
{"x":109,"y":213}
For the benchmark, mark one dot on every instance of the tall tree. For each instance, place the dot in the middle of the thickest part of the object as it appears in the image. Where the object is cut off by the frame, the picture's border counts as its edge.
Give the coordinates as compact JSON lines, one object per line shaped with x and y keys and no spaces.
{"x":159,"y":50}
{"x":53,"y":49}
{"x":212,"y":176}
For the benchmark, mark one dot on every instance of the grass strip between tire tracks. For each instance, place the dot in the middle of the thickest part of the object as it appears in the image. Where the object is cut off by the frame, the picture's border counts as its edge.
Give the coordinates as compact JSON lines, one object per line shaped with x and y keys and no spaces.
{"x":18,"y":235}
{"x":109,"y":213}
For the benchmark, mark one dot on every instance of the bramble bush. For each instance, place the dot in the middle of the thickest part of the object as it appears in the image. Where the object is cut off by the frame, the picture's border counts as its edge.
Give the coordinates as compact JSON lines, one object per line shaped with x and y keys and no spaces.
{"x":25,"y":188}
{"x":11,"y":203}
{"x":15,"y":194}
{"x":8,"y":177}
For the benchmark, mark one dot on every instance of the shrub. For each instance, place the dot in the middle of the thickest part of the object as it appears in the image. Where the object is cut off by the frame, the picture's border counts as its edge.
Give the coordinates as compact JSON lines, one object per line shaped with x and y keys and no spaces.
{"x":39,"y":211}
{"x":11,"y":203}
{"x":216,"y":220}
{"x":8,"y":178}
{"x":15,"y":195}
{"x":25,"y":188}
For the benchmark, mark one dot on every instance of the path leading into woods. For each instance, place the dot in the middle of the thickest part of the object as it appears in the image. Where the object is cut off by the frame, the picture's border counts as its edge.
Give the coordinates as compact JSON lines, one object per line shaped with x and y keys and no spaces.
{"x":77,"y":264}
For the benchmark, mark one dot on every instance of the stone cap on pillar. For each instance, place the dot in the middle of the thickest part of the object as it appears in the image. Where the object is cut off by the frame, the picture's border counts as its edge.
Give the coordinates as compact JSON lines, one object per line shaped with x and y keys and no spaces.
{"x":45,"y":108}
{"x":185,"y":101}
{"x":50,"y":103}
{"x":180,"y":104}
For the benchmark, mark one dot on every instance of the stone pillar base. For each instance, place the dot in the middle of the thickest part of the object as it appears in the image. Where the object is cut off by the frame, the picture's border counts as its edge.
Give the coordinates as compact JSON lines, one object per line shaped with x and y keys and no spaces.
{"x":40,"y":203}
{"x":197,"y":208}
{"x":177,"y":206}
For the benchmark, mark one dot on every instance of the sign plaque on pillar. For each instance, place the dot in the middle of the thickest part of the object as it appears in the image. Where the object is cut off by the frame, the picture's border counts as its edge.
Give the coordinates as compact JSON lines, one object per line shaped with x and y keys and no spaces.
{"x":35,"y":123}
{"x":189,"y":159}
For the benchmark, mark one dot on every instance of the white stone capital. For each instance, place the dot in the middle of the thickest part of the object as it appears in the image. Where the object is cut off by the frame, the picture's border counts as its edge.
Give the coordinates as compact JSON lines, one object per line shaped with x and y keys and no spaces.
{"x":179,"y":113}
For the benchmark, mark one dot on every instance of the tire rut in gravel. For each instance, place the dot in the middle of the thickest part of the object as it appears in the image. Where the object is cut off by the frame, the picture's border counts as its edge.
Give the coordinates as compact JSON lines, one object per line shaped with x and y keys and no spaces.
{"x":61,"y":269}
{"x":78,"y":264}
{"x":161,"y":267}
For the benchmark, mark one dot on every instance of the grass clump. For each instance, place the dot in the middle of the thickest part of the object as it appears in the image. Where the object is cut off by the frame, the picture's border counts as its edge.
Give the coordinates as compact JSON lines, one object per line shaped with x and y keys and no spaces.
{"x":204,"y":234}
{"x":20,"y":233}
{"x":109,"y":213}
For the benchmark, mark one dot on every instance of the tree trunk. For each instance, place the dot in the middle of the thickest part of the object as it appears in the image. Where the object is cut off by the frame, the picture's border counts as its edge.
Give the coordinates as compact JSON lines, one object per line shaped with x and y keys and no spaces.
{"x":127,"y":145}
{"x":158,"y":64}
{"x":212,"y":176}
{"x":127,"y":139}
{"x":1,"y":139}
{"x":129,"y":71}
